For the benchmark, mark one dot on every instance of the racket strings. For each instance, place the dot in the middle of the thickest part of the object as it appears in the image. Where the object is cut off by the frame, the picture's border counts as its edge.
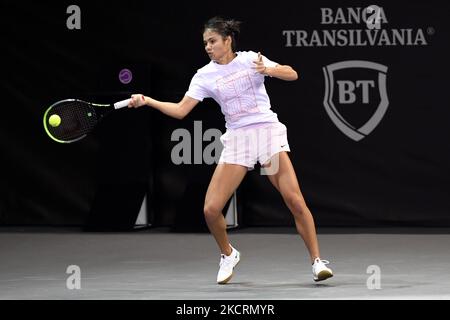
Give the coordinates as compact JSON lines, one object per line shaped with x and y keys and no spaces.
{"x":77,"y":119}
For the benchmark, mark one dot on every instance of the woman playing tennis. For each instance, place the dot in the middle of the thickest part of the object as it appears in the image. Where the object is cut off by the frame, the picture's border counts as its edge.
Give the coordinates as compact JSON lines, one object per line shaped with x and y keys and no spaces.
{"x":235,"y":80}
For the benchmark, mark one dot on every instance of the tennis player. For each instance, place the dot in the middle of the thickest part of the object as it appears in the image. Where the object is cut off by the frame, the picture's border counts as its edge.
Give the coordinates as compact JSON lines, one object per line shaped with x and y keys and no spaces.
{"x":235,"y":80}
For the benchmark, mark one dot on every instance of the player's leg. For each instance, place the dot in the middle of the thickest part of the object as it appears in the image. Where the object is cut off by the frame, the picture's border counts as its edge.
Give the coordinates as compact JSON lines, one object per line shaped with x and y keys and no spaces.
{"x":285,"y":181}
{"x":225,"y":180}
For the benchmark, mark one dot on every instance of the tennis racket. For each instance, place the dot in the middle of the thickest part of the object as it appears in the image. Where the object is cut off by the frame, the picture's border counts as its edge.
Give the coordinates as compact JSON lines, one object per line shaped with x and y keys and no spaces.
{"x":70,"y":120}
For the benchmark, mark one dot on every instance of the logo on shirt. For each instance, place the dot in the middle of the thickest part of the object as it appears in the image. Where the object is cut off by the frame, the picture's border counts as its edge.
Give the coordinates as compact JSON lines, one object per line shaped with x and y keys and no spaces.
{"x":237,"y":94}
{"x":355,"y":96}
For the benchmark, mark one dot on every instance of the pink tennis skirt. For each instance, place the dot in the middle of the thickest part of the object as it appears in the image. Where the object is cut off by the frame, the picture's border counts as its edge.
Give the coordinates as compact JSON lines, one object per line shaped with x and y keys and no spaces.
{"x":253,"y":143}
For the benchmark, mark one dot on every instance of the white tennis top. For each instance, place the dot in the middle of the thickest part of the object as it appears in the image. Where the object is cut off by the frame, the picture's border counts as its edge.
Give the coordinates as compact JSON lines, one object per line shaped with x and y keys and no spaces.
{"x":237,"y":87}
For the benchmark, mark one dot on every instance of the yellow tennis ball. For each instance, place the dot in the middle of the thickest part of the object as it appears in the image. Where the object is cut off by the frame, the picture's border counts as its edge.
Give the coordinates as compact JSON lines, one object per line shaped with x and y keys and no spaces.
{"x":54,"y":120}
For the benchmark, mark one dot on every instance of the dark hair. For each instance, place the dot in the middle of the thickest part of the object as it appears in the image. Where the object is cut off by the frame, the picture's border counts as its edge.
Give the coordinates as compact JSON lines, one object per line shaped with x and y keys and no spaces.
{"x":225,"y":28}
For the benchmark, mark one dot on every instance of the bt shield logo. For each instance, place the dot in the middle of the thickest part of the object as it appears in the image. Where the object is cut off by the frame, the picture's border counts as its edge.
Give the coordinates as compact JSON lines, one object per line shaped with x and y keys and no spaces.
{"x":355,"y":96}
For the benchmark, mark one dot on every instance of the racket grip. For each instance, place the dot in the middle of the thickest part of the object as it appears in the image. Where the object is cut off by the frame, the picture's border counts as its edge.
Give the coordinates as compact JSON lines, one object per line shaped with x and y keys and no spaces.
{"x":121,"y":104}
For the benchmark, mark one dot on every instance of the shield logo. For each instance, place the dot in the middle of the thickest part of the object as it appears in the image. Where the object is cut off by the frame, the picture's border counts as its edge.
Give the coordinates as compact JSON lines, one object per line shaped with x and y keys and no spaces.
{"x":355,"y":91}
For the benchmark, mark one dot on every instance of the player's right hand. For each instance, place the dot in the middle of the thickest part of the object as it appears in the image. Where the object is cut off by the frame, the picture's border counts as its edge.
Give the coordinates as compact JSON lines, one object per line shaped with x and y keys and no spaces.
{"x":137,"y":100}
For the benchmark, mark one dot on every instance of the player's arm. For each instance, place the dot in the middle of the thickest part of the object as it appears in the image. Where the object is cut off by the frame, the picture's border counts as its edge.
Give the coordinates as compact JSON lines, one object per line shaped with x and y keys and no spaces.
{"x":283,"y":72}
{"x":175,"y":110}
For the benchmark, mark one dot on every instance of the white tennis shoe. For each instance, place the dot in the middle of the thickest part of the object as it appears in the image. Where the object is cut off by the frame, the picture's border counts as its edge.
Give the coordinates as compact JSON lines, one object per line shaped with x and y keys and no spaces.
{"x":227,"y":264}
{"x":320,"y":270}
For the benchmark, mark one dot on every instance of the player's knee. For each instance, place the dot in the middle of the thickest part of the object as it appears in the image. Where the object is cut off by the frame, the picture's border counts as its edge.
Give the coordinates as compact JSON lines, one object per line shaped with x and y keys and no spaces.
{"x":211,"y":210}
{"x":296,"y":203}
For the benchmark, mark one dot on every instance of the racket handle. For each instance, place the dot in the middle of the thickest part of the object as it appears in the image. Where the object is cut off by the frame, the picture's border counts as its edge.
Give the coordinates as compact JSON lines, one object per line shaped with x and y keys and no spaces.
{"x":121,"y":104}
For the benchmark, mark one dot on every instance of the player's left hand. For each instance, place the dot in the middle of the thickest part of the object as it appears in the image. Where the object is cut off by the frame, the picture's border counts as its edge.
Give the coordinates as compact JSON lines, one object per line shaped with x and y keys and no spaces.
{"x":259,"y":64}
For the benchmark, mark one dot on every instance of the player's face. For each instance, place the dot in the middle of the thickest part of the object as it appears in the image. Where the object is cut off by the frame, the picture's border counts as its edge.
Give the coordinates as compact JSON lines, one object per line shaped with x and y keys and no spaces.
{"x":215,"y":45}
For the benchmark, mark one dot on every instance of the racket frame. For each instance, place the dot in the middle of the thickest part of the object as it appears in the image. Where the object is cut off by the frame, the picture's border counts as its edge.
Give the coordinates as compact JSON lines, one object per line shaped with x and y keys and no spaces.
{"x":96,"y":107}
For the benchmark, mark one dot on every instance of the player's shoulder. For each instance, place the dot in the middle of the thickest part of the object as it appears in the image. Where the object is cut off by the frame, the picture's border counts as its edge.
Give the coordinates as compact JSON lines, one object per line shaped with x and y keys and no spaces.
{"x":206,"y":69}
{"x":248,"y":53}
{"x":247,"y":57}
